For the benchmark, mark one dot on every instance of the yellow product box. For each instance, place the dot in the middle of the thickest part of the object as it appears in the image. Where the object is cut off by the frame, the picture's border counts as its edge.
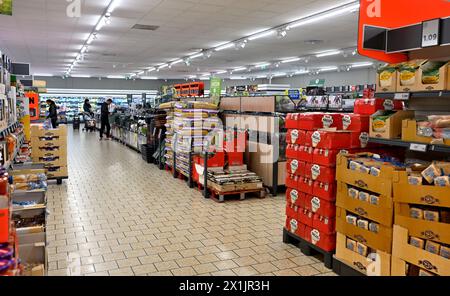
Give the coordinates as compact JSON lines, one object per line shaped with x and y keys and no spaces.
{"x":409,"y":77}
{"x":409,"y":133}
{"x":434,"y":76}
{"x":38,"y":131}
{"x":388,"y":124}
{"x":41,"y":143}
{"x":387,"y":78}
{"x":381,"y":184}
{"x":40,"y":83}
{"x":38,"y":152}
{"x":382,"y":213}
{"x":380,"y":267}
{"x":406,"y":253}
{"x":380,"y":241}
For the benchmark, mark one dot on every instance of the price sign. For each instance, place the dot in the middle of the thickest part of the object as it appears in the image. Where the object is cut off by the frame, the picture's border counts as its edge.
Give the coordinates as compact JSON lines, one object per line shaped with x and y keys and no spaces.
{"x":418,"y":147}
{"x":402,"y":96}
{"x":430,"y":33}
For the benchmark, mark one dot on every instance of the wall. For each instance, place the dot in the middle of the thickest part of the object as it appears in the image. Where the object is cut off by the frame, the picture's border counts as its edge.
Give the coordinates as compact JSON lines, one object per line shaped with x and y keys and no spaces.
{"x":354,"y":77}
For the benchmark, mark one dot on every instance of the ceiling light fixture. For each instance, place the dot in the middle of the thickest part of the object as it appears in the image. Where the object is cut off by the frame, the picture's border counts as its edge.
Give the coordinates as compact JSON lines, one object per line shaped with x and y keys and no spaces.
{"x":291,"y":60}
{"x":221,"y":72}
{"x":163,"y":66}
{"x":176,"y":62}
{"x":281,"y":33}
{"x":328,"y":53}
{"x":197,"y":55}
{"x":44,"y":75}
{"x":326,"y":69}
{"x":81,"y":76}
{"x":224,"y":46}
{"x":115,"y":77}
{"x":151,"y":69}
{"x":327,"y":14}
{"x":263,"y":65}
{"x":149,"y":78}
{"x":362,"y":65}
{"x":301,"y":72}
{"x":279,"y":74}
{"x":261,"y":35}
{"x":240,"y":69}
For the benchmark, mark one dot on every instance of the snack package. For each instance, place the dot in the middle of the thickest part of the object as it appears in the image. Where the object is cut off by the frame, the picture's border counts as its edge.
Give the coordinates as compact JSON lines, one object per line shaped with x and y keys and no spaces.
{"x":425,"y":273}
{"x":431,"y":172}
{"x":363,"y":196}
{"x":364,"y":224}
{"x":386,"y":74}
{"x":445,"y":252}
{"x":362,"y":249}
{"x":408,"y":72}
{"x":374,"y":200}
{"x":443,"y":181}
{"x":431,"y":216}
{"x":374,"y":227}
{"x":417,"y":242}
{"x":353,"y":193}
{"x":351,"y":219}
{"x":416,"y":213}
{"x":430,"y":72}
{"x":351,"y":244}
{"x":415,"y":179}
{"x":432,"y":247}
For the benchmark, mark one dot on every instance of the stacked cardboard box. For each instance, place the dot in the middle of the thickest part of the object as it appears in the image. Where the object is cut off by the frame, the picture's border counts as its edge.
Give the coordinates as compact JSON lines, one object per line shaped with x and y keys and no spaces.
{"x":365,"y":213}
{"x":314,"y":141}
{"x":50,"y":148}
{"x":422,"y":226}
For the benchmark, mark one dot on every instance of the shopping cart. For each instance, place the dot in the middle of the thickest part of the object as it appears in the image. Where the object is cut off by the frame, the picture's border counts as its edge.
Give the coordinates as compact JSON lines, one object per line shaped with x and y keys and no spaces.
{"x":90,"y":124}
{"x":76,"y":122}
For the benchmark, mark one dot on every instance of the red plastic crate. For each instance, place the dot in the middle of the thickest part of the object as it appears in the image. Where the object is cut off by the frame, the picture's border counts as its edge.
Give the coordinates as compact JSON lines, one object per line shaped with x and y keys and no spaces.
{"x":295,"y":197}
{"x":326,"y":242}
{"x":295,"y":167}
{"x":320,"y":206}
{"x":235,"y":158}
{"x":305,"y":185}
{"x":295,"y":227}
{"x":305,"y":153}
{"x":316,"y":120}
{"x":292,"y":181}
{"x":325,"y":191}
{"x":292,"y":121}
{"x":320,"y":173}
{"x":360,"y":140}
{"x":292,"y":151}
{"x":356,"y":122}
{"x":295,"y":136}
{"x":217,"y":160}
{"x":324,"y":224}
{"x":305,"y":217}
{"x":325,"y":157}
{"x":371,"y":106}
{"x":330,"y":139}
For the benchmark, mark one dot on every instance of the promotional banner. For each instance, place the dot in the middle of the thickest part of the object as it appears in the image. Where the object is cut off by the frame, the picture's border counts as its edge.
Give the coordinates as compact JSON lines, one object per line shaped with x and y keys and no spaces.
{"x":6,"y":7}
{"x":215,"y":90}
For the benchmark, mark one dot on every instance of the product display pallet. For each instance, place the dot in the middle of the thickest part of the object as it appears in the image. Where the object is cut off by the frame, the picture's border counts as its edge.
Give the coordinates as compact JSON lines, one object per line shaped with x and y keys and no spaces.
{"x":59,"y":180}
{"x":241,"y":195}
{"x":307,"y":248}
{"x":343,"y":269}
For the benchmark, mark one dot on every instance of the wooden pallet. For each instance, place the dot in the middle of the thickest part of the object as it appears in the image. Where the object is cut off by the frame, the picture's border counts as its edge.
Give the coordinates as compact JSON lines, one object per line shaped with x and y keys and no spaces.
{"x":343,"y":269}
{"x":307,"y":248}
{"x":238,"y":195}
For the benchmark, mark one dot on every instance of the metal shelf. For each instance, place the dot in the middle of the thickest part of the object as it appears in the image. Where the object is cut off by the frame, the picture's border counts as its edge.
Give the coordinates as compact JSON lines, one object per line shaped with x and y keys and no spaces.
{"x":408,"y":145}
{"x":9,"y":129}
{"x":414,"y":95}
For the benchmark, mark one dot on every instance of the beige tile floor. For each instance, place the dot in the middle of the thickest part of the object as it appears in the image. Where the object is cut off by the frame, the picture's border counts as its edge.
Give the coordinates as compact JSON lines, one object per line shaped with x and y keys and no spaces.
{"x":118,"y":215}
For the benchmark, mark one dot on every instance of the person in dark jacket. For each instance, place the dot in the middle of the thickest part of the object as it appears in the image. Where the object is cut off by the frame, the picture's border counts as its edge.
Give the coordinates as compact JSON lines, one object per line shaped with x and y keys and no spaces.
{"x":104,"y":119}
{"x":87,"y":108}
{"x":52,"y":113}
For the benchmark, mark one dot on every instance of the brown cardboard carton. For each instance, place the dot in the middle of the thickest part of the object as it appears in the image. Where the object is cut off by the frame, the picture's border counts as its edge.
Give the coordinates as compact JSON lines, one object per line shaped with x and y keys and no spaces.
{"x":408,"y":81}
{"x":230,"y":104}
{"x":388,"y":128}
{"x":363,"y":264}
{"x":59,"y":173}
{"x":401,"y":249}
{"x":380,"y":241}
{"x":38,"y":131}
{"x":38,"y":152}
{"x":382,"y":213}
{"x":409,"y":133}
{"x":444,"y":73}
{"x":387,"y":79}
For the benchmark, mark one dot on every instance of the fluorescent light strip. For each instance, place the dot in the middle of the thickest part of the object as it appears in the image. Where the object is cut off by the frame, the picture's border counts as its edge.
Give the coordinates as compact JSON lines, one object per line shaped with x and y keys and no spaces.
{"x":52,"y":91}
{"x":238,"y":78}
{"x":112,"y":5}
{"x":325,"y":69}
{"x":205,"y":78}
{"x":176,"y":62}
{"x":333,"y":12}
{"x":261,"y":35}
{"x":262,"y":65}
{"x":301,"y":72}
{"x":151,"y":69}
{"x":279,"y":74}
{"x":361,"y":65}
{"x":225,"y":46}
{"x":149,"y":78}
{"x":115,"y":77}
{"x":198,"y":55}
{"x":81,"y":76}
{"x":328,"y":53}
{"x":163,"y":66}
{"x":291,"y":60}
{"x":221,"y":72}
{"x":240,"y":69}
{"x":44,"y":75}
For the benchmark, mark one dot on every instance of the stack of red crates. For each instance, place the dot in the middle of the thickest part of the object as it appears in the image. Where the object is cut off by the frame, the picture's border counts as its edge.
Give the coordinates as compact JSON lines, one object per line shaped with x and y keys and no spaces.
{"x":313,"y":142}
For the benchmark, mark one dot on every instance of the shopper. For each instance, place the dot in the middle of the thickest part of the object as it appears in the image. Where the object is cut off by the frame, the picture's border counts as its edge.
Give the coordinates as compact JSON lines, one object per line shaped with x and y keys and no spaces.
{"x":104,"y":118}
{"x":87,"y":108}
{"x":52,"y":113}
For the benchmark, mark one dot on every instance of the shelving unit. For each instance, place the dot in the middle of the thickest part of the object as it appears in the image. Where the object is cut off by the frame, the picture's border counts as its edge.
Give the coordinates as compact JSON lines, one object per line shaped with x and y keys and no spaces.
{"x":418,"y":147}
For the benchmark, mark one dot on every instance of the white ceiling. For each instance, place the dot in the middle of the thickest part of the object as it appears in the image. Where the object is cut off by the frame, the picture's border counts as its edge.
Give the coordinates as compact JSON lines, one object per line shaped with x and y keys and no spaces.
{"x":40,"y":32}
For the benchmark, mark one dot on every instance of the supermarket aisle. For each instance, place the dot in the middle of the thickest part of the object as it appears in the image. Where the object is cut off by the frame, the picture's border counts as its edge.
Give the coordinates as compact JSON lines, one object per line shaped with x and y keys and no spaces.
{"x":117,"y":215}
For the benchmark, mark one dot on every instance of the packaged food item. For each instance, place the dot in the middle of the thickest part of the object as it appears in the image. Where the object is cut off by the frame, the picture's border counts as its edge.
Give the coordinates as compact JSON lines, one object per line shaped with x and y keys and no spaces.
{"x":361,"y":249}
{"x":444,"y":215}
{"x":353,"y":193}
{"x":445,"y":252}
{"x":351,"y":244}
{"x":431,"y":172}
{"x":364,"y":224}
{"x":379,"y":121}
{"x":432,"y":247}
{"x":363,"y":196}
{"x":374,"y":227}
{"x":415,"y":179}
{"x":375,"y":200}
{"x":416,"y":213}
{"x":363,"y":169}
{"x":417,"y":242}
{"x":354,"y":166}
{"x":408,"y":71}
{"x":443,"y":181}
{"x":352,"y":219}
{"x":442,"y":165}
{"x":423,"y":272}
{"x":431,"y":216}
{"x":387,"y":74}
{"x":430,"y":72}
{"x":375,"y":171}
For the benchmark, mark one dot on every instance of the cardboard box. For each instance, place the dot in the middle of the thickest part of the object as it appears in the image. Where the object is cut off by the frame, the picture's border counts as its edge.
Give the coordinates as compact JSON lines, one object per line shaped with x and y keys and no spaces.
{"x":382,"y":213}
{"x":379,"y":241}
{"x":292,"y":181}
{"x":305,"y":185}
{"x":326,"y":191}
{"x":263,"y":161}
{"x":324,"y":224}
{"x":324,"y":241}
{"x":37,"y":153}
{"x":295,"y":227}
{"x":319,"y":206}
{"x":325,"y":157}
{"x":295,"y":167}
{"x":380,"y":267}
{"x":414,"y":78}
{"x":320,"y":173}
{"x":295,"y":136}
{"x":258,"y":104}
{"x":305,"y":153}
{"x":4,"y":220}
{"x":329,"y":139}
{"x":60,"y":172}
{"x":371,"y":106}
{"x":390,"y":127}
{"x":230,"y":103}
{"x":292,"y":151}
{"x":312,"y":121}
{"x":436,"y":231}
{"x":292,"y":121}
{"x":38,"y":131}
{"x":391,"y":81}
{"x":292,"y":211}
{"x":59,"y":143}
{"x":355,"y":122}
{"x":409,"y":133}
{"x":443,"y":83}
{"x":305,"y":217}
{"x":295,"y":197}
{"x":401,"y":249}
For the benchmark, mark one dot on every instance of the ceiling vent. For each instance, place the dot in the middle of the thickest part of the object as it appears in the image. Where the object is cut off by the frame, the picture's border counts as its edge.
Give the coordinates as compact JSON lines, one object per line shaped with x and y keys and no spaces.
{"x":145,"y":27}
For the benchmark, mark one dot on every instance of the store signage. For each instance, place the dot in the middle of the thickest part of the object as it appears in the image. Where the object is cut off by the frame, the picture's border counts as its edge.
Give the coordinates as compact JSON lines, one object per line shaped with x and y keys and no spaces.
{"x":6,"y":7}
{"x":402,"y":96}
{"x":418,"y":147}
{"x":430,"y":33}
{"x":215,"y":90}
{"x":293,"y":94}
{"x":317,"y":83}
